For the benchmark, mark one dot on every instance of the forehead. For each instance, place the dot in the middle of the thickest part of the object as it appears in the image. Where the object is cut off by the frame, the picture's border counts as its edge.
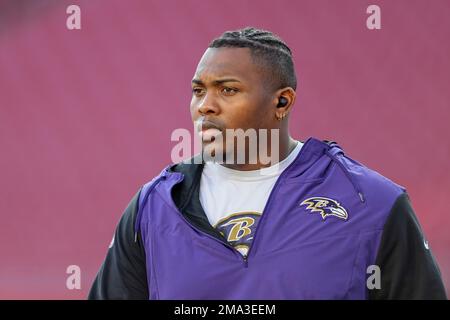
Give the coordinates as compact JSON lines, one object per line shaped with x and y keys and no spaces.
{"x":227,"y":62}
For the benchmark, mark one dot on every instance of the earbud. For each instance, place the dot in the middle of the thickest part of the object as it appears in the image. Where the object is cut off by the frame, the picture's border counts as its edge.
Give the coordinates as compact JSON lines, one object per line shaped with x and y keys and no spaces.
{"x":282,"y":102}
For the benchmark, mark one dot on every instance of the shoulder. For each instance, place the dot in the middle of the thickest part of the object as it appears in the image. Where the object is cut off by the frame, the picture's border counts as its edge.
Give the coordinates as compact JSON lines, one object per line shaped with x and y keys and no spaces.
{"x":377,"y":193}
{"x":373,"y":183}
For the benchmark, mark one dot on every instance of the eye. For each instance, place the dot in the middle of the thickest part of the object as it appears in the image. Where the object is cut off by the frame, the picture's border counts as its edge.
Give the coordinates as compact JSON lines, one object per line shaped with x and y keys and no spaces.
{"x":229,"y":91}
{"x":197,"y":91}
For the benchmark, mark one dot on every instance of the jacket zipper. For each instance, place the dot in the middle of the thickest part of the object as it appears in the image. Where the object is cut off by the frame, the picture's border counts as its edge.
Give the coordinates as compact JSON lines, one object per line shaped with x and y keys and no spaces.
{"x":262,"y":215}
{"x":269,"y":200}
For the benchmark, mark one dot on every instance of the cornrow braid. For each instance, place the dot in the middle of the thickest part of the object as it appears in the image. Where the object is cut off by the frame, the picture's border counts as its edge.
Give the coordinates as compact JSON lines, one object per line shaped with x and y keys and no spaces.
{"x":267,"y":49}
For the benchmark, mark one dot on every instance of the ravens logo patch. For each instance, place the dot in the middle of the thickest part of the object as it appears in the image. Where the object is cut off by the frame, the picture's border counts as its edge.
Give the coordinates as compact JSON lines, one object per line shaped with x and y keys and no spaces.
{"x":326,"y":207}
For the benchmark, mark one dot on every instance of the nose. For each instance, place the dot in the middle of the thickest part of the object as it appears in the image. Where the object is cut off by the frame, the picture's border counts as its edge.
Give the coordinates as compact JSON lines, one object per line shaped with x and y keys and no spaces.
{"x":207,"y":105}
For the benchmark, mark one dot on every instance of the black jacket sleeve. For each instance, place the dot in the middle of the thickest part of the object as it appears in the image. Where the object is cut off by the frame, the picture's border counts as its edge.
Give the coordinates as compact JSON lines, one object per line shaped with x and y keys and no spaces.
{"x":123,"y":273}
{"x":407,"y":267}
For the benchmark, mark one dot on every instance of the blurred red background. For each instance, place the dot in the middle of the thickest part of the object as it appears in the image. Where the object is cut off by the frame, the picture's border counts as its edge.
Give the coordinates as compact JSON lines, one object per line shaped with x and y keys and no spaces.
{"x":86,"y":115}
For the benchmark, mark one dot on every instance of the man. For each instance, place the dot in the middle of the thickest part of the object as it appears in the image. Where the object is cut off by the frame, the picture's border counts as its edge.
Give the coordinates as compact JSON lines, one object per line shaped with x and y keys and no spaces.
{"x":313,"y":224}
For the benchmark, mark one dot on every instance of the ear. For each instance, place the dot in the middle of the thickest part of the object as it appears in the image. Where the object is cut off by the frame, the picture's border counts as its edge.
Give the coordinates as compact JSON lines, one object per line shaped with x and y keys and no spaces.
{"x":287,"y":93}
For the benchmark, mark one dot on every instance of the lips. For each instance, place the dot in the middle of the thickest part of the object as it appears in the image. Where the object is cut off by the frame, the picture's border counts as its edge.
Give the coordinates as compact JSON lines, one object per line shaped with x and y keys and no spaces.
{"x":209,"y":125}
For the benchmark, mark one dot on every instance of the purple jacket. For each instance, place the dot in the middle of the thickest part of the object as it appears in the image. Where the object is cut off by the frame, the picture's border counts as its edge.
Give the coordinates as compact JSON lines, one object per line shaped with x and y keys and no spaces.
{"x":328,"y":218}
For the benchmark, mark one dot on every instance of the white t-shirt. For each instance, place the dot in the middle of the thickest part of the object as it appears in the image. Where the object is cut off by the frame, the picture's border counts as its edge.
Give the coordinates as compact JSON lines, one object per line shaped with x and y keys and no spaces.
{"x":234,"y":200}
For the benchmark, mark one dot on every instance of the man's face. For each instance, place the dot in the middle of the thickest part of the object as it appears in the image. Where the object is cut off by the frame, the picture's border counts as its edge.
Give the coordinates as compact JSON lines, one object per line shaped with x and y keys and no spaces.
{"x":228,"y":92}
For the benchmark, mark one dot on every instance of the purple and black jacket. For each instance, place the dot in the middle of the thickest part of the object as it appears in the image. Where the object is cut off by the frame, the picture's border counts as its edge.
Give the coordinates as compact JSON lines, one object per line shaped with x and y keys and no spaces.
{"x":327,"y":220}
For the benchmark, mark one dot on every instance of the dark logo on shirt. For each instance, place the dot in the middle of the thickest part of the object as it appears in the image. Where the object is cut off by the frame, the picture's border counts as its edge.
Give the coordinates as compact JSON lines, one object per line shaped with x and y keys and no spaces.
{"x":326,"y":207}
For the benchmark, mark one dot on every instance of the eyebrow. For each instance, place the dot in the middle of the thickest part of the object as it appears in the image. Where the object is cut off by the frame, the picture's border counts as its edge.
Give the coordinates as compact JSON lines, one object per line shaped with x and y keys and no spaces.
{"x":215,"y":82}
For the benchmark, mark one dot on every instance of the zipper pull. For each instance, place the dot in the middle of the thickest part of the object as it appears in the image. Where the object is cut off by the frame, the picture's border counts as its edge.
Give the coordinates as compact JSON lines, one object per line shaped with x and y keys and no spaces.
{"x":246,"y":261}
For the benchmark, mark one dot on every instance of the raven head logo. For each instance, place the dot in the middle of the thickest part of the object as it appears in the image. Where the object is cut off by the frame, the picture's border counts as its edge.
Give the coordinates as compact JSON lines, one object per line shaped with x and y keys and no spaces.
{"x":326,"y":207}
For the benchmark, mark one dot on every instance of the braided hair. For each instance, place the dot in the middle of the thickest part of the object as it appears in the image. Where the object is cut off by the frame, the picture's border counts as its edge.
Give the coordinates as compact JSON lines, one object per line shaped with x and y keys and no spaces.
{"x":267,"y":50}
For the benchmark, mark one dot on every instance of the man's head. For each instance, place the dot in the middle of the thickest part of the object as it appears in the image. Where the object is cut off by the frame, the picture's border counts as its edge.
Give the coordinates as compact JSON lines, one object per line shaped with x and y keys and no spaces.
{"x":244,"y":80}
